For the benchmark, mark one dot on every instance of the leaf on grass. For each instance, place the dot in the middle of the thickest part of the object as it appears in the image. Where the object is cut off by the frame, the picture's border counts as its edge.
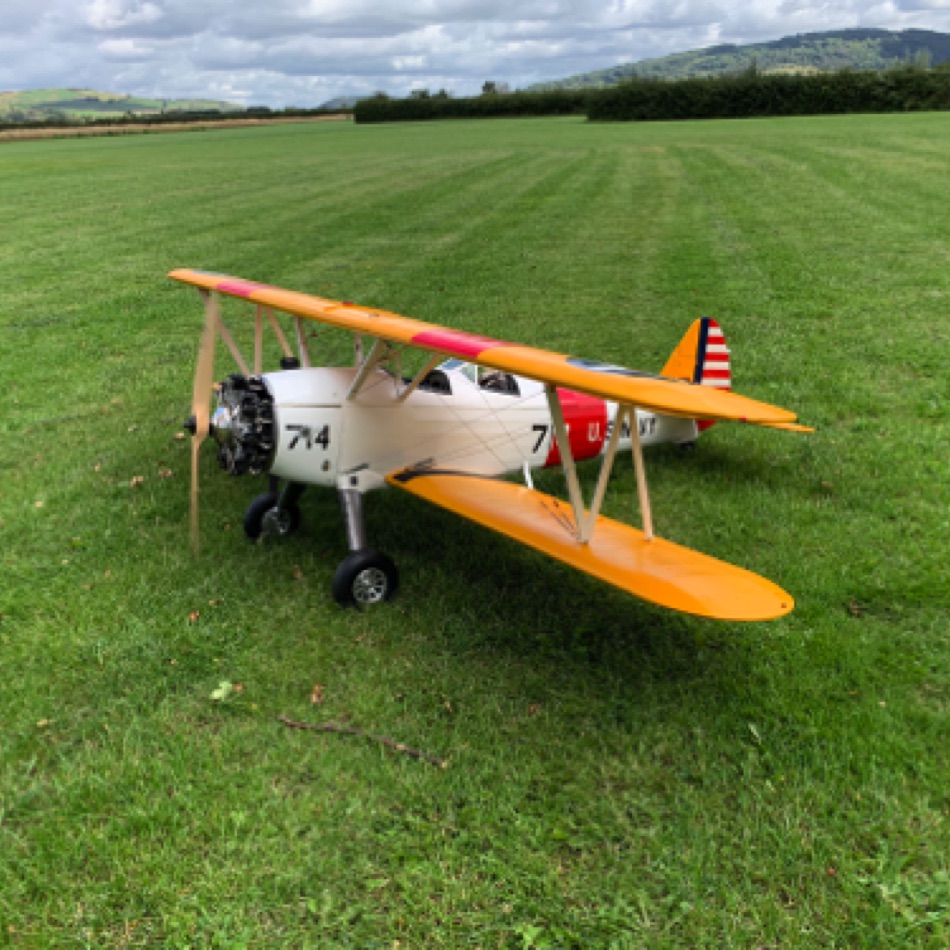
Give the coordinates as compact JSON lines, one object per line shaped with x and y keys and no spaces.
{"x":165,"y":473}
{"x":855,"y":609}
{"x":223,"y":691}
{"x":316,"y":694}
{"x":193,"y":616}
{"x":136,"y":480}
{"x":298,"y":574}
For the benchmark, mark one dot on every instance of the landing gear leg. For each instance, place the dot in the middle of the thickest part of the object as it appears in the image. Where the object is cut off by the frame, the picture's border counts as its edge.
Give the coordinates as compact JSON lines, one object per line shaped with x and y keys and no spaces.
{"x":365,"y":576}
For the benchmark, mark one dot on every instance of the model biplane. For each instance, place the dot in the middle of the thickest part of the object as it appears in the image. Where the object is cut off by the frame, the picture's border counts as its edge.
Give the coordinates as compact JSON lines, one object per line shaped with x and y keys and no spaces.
{"x":477,"y":409}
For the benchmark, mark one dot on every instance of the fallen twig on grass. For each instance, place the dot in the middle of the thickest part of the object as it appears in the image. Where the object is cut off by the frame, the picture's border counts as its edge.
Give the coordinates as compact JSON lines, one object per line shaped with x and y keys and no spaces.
{"x":353,"y":731}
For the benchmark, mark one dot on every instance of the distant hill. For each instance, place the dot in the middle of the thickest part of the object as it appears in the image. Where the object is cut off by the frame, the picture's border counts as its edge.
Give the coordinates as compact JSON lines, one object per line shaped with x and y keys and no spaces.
{"x":341,"y":102}
{"x":807,"y":52}
{"x":76,"y":104}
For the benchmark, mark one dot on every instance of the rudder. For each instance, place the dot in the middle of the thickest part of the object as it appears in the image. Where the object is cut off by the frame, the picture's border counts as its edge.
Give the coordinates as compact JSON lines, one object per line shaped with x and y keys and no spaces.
{"x":701,"y":357}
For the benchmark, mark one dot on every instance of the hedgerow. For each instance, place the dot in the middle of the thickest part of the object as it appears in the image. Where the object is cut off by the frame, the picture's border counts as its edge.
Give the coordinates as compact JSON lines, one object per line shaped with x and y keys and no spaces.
{"x":752,"y":93}
{"x":382,"y":108}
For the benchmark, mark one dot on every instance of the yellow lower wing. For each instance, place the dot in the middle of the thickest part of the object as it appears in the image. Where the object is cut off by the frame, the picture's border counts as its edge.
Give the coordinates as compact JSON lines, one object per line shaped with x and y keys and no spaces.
{"x":657,"y":571}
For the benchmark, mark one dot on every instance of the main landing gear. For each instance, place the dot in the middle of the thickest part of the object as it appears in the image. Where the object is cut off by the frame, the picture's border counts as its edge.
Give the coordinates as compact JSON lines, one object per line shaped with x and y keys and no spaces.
{"x":364,"y":577}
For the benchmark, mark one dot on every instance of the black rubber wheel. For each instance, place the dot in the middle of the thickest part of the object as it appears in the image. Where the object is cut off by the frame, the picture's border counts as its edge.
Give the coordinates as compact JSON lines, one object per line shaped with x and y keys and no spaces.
{"x":365,"y":578}
{"x":264,"y":517}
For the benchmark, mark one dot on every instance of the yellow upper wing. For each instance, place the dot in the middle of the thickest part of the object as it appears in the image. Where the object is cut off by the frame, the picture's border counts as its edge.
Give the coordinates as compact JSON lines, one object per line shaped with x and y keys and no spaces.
{"x":614,"y":383}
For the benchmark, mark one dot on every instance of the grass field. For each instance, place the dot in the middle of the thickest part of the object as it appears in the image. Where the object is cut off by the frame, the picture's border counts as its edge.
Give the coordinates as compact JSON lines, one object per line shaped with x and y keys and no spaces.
{"x":619,"y":776}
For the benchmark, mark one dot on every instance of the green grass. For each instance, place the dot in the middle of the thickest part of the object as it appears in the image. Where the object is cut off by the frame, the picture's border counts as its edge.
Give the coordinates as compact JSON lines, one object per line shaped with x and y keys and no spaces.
{"x":619,"y":776}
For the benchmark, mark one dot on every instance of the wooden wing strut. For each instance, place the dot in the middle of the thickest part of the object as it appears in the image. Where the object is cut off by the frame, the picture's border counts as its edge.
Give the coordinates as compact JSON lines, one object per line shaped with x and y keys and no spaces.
{"x":567,"y":461}
{"x":646,"y":512}
{"x":584,"y":521}
{"x":380,"y":352}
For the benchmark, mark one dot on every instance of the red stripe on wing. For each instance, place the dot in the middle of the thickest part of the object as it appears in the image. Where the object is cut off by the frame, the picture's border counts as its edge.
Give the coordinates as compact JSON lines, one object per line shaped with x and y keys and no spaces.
{"x":457,"y":343}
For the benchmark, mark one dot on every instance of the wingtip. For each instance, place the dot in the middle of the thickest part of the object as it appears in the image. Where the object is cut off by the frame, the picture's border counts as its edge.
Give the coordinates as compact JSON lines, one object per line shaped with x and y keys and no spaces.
{"x":788,"y":426}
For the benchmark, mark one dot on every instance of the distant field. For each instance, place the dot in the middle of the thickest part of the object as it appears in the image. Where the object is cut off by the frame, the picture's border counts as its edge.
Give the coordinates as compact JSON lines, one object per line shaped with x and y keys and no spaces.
{"x":619,"y":776}
{"x":36,"y":104}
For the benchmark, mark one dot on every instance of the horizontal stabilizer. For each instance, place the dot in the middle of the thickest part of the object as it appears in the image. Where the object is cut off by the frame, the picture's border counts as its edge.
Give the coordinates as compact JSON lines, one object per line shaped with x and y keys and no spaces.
{"x":656,"y":570}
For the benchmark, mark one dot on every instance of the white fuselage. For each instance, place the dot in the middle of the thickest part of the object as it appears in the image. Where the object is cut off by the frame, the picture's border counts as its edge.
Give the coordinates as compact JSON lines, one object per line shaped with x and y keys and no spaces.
{"x":326,"y":435}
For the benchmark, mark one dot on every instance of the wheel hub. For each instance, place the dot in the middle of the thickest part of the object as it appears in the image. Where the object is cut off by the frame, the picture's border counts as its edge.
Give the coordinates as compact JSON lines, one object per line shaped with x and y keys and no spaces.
{"x":370,"y":586}
{"x":277,"y":522}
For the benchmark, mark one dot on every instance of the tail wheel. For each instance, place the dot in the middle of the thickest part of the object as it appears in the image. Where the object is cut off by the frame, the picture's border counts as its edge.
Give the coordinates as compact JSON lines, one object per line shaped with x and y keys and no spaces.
{"x":264,"y":516}
{"x":365,"y":578}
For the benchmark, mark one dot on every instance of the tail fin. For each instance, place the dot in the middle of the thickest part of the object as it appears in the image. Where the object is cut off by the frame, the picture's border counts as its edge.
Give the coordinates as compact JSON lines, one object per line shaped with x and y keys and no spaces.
{"x":701,"y":357}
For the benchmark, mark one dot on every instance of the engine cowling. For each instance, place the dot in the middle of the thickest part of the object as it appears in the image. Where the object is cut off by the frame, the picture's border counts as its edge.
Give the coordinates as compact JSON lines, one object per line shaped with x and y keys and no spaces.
{"x":285,"y":423}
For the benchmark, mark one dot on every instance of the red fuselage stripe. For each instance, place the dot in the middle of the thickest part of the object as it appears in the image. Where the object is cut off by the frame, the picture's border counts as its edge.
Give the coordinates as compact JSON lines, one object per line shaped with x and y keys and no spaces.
{"x":586,"y":421}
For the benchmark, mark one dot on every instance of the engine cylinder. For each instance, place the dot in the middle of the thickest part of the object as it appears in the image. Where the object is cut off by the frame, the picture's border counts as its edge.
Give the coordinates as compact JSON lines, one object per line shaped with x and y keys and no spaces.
{"x":243,"y":425}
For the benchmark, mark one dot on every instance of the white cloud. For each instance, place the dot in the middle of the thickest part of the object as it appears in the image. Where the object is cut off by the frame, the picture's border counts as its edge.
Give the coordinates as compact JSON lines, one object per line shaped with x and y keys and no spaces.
{"x":116,"y":14}
{"x":125,"y":51}
{"x":304,"y":51}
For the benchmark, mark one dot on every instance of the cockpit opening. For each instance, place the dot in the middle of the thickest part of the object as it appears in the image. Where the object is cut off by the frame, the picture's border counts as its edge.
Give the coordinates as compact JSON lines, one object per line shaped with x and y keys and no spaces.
{"x":436,"y":381}
{"x":484,"y":377}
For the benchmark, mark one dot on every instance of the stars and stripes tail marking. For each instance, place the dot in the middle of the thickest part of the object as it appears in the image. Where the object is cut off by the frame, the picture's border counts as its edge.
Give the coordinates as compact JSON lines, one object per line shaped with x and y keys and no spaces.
{"x":712,"y":361}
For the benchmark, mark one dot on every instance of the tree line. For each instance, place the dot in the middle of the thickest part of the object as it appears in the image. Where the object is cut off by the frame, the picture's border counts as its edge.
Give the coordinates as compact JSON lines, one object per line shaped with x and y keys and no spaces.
{"x":747,"y":94}
{"x":422,"y":106}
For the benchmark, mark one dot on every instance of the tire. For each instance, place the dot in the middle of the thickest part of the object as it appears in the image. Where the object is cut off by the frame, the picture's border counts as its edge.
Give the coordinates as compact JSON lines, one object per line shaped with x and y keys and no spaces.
{"x":365,"y":578}
{"x":263,"y":517}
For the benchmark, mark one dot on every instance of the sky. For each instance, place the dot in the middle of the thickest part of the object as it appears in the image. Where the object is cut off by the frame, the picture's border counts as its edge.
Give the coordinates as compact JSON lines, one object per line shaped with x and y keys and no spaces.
{"x":282,"y":53}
